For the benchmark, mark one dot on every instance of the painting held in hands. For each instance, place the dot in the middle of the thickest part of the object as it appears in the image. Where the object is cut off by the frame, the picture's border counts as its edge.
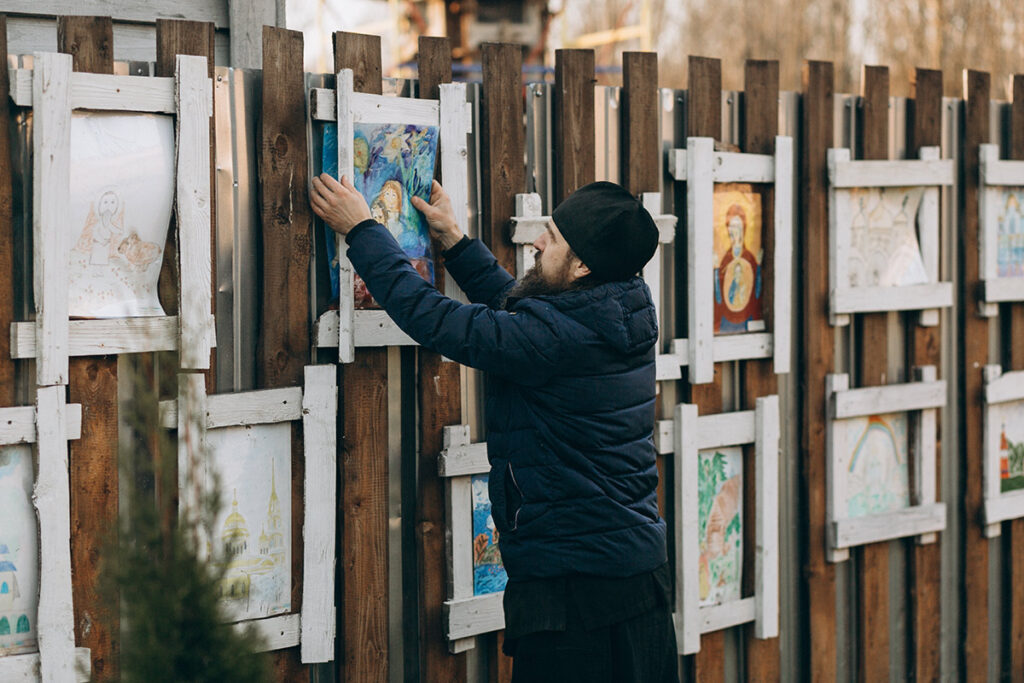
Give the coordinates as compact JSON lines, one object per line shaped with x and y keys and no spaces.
{"x":392,"y":163}
{"x":877,"y":475}
{"x":119,"y":209}
{"x":720,"y":524}
{"x":738,"y":257}
{"x":19,"y":548}
{"x":488,"y":572}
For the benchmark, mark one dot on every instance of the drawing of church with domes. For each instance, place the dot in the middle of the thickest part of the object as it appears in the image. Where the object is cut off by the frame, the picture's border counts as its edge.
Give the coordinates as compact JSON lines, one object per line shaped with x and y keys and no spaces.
{"x":17,"y":632}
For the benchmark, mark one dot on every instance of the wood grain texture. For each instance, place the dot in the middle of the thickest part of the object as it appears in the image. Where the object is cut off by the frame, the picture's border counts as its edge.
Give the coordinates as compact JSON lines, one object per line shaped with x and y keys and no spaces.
{"x":440,"y":403}
{"x":639,"y":106}
{"x":760,"y":126}
{"x":872,"y":561}
{"x":92,"y":382}
{"x":974,"y":339}
{"x":7,"y":364}
{"x":573,"y":117}
{"x":502,"y":169}
{"x":924,"y":562}
{"x":499,"y":664}
{"x":816,"y":361}
{"x":363,"y":496}
{"x":435,"y":68}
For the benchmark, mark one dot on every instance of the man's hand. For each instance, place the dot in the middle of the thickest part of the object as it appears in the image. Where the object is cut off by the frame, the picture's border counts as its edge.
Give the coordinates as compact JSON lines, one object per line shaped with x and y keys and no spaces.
{"x":440,"y":216}
{"x":340,"y":205}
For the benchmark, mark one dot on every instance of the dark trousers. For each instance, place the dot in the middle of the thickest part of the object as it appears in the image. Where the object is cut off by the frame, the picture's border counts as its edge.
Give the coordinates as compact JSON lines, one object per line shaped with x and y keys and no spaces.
{"x":637,"y":650}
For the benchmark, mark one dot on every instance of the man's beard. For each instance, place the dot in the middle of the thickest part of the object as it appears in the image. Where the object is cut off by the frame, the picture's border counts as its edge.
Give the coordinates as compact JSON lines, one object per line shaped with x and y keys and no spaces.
{"x":536,"y":283}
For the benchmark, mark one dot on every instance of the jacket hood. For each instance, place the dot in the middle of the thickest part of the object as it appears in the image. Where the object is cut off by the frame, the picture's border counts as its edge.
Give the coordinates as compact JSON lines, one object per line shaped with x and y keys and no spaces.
{"x":620,"y":313}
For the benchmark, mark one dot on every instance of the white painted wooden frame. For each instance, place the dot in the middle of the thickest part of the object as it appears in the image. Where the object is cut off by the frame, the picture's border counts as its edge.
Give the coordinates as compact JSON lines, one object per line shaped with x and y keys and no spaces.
{"x":348,"y":328}
{"x":1000,"y":388}
{"x":929,"y":172}
{"x":700,"y":166}
{"x":924,"y":517}
{"x":194,"y":413}
{"x":686,"y":436}
{"x":53,"y":94}
{"x":995,"y":175}
{"x":465,"y":615}
{"x":48,"y":426}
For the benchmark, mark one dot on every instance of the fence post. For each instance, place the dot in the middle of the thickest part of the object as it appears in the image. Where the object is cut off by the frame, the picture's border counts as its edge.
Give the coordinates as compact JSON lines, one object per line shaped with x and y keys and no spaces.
{"x":7,"y":304}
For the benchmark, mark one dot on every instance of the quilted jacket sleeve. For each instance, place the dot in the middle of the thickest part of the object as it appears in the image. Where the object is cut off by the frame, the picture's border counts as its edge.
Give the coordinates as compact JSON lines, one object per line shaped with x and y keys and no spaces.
{"x":478,"y":274}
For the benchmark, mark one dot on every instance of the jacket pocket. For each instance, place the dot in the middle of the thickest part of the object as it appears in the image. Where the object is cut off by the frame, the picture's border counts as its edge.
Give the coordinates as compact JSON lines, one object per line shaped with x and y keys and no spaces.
{"x":513,"y":498}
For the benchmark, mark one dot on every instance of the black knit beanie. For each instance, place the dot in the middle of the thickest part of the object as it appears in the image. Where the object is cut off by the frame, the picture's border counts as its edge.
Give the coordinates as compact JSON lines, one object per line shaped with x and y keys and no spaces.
{"x":608,"y":229}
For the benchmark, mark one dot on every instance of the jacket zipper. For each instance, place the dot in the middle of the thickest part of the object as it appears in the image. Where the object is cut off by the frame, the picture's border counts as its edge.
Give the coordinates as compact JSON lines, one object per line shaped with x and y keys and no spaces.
{"x":515,"y":519}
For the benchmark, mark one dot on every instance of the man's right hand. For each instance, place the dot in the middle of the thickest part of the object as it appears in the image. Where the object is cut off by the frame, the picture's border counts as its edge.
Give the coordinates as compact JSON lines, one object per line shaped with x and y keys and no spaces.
{"x":440,"y":216}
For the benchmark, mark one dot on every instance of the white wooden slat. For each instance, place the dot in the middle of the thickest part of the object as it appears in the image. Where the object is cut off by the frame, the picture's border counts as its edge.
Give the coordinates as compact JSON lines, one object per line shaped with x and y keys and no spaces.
{"x":192,"y":465}
{"x":367,"y":108}
{"x":997,"y":510}
{"x":456,"y":122}
{"x":319,"y":433}
{"x":1003,"y":289}
{"x":726,"y":429}
{"x":730,"y":347}
{"x":666,"y":223}
{"x":247,"y":19}
{"x":277,"y":633}
{"x":890,"y":398}
{"x":192,"y":208}
{"x":664,"y":437}
{"x":913,"y":521}
{"x":127,"y":10}
{"x":1002,"y":173}
{"x":26,"y":668}
{"x":924,"y":452}
{"x":265,"y":406}
{"x":899,"y":173}
{"x":766,"y":554}
{"x":783,"y":265}
{"x":105,"y":92}
{"x":668,"y":367}
{"x":835,"y":466}
{"x":906,"y":298}
{"x":687,"y":598}
{"x":460,"y":461}
{"x":20,"y":82}
{"x":838,"y":239}
{"x":461,"y":645}
{"x":459,"y":510}
{"x":346,"y":274}
{"x":376,"y":328}
{"x":700,"y":228}
{"x":18,"y":425}
{"x":51,"y":174}
{"x":323,"y":103}
{"x":989,"y":199}
{"x":928,"y":235}
{"x":526,"y":229}
{"x":109,"y":336}
{"x":991,"y":455}
{"x":1007,"y":386}
{"x":473,"y":616}
{"x":727,"y":167}
{"x":51,"y":497}
{"x":729,"y":614}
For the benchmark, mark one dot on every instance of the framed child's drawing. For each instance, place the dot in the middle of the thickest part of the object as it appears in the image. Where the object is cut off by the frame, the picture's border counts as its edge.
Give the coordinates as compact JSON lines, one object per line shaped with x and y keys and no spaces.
{"x":113,"y":155}
{"x":243,"y":443}
{"x":710,"y":535}
{"x":739,"y":210}
{"x":476,"y":575}
{"x":1001,"y":230}
{"x":389,"y":146}
{"x":37,"y":636}
{"x":880,"y":462}
{"x":884,"y":235}
{"x":1004,"y":447}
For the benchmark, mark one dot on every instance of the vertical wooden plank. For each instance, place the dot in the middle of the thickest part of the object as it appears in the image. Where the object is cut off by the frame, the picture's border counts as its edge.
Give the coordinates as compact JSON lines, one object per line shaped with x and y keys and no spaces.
{"x":502,"y":171}
{"x":284,"y":342}
{"x":925,"y":561}
{"x":93,"y":458}
{"x":248,"y":23}
{"x":440,"y":403}
{"x":1014,"y":531}
{"x":573,"y":121}
{"x":974,"y":341}
{"x":363,"y":629}
{"x":639,"y":105}
{"x":873,"y":560}
{"x":817,"y":361}
{"x":7,"y":365}
{"x":760,"y":126}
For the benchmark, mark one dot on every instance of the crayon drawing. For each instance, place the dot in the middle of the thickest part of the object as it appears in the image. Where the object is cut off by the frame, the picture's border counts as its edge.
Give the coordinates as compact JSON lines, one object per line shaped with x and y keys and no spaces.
{"x":738,"y":272}
{"x":1010,"y":420}
{"x":1010,"y":242}
{"x":488,"y":572}
{"x":392,"y":163}
{"x":720,"y":524}
{"x":252,"y":533}
{"x":19,"y":547}
{"x":121,"y":193}
{"x":877,"y":478}
{"x":884,"y":250}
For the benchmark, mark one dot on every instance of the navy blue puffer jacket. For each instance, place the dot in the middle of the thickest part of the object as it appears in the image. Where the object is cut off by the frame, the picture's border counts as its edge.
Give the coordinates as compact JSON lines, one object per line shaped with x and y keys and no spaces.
{"x":570,"y":405}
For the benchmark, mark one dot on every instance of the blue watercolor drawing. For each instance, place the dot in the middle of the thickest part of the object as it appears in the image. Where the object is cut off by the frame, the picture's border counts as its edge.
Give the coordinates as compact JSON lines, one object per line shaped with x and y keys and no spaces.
{"x":488,"y":572}
{"x":392,"y":163}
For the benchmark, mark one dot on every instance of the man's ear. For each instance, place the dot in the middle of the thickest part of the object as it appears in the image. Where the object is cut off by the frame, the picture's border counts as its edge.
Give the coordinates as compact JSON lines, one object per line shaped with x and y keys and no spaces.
{"x":579,"y":269}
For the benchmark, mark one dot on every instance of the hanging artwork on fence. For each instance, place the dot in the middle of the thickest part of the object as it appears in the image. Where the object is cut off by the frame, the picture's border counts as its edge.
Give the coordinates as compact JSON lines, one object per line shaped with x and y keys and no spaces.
{"x":1000,"y":229}
{"x":120,"y":198}
{"x":488,"y":572}
{"x":738,"y":256}
{"x":720,"y":524}
{"x":19,"y":547}
{"x":392,"y":163}
{"x":877,"y":478}
{"x":1010,"y":245}
{"x":1004,"y":446}
{"x":883,"y":238}
{"x":252,"y":533}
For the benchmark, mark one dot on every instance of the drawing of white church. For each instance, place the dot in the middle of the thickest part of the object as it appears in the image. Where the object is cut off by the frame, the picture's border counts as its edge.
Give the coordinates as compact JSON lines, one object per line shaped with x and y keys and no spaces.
{"x":16,"y":632}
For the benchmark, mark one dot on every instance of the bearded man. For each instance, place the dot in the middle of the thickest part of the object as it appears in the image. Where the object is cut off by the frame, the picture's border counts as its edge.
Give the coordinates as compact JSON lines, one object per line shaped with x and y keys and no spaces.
{"x":568,"y":354}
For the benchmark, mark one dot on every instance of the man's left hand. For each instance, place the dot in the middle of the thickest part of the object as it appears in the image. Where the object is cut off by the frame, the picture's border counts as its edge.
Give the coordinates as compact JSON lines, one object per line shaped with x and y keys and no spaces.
{"x":340,"y":205}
